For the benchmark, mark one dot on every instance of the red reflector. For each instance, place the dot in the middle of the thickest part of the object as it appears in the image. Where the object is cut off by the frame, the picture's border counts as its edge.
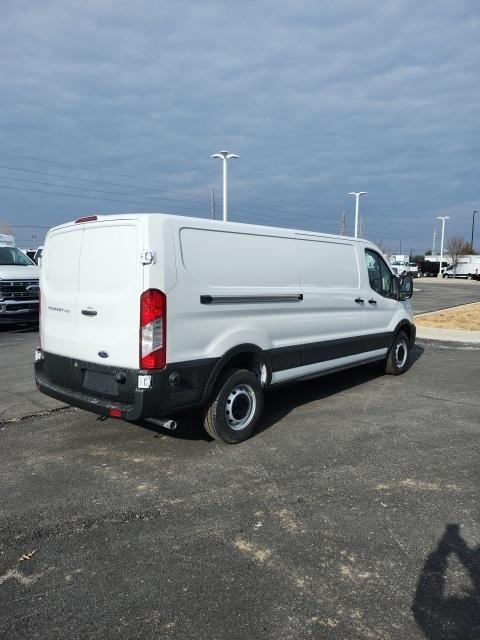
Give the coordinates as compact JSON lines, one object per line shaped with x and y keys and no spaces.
{"x":86,"y":219}
{"x":115,"y":413}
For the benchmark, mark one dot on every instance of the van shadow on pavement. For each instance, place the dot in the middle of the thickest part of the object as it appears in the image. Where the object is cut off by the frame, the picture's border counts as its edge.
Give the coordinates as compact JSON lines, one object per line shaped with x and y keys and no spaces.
{"x":444,"y":617}
{"x":279,"y":402}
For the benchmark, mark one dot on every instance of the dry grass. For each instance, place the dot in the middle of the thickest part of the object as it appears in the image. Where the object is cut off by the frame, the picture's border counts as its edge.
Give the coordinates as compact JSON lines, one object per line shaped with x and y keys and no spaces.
{"x":466,"y":317}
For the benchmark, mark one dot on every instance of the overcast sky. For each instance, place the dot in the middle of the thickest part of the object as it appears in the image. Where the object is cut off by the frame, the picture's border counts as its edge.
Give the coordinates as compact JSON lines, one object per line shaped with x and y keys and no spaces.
{"x":119,"y":105}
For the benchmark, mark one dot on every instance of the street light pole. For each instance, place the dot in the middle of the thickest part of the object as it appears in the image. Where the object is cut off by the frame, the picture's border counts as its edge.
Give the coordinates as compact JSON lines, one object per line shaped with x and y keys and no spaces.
{"x":442,"y":218}
{"x":225,"y":156}
{"x":473,"y":227}
{"x":357,"y":195}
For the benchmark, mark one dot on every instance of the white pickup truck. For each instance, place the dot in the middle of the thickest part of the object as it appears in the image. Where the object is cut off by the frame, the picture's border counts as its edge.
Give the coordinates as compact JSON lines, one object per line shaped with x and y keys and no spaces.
{"x":399,"y":267}
{"x":19,"y":288}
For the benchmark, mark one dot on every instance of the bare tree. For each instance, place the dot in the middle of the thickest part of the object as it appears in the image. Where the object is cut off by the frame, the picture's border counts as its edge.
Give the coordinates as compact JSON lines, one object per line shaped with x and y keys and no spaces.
{"x":5,"y":227}
{"x":457,"y":246}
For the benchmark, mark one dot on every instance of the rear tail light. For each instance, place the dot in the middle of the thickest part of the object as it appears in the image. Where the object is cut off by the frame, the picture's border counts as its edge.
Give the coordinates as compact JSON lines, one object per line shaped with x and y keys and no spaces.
{"x":153,"y":329}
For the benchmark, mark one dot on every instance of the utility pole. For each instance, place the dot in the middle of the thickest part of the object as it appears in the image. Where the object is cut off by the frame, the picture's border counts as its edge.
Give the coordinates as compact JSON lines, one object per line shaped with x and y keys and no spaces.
{"x":212,"y":204}
{"x":343,"y":223}
{"x":400,"y":247}
{"x":473,"y":227}
{"x":361,"y":228}
{"x":434,"y":236}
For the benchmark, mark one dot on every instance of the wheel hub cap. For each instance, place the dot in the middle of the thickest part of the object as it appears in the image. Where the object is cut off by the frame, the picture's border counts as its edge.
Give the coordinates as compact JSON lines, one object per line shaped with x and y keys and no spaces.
{"x":240,"y":406}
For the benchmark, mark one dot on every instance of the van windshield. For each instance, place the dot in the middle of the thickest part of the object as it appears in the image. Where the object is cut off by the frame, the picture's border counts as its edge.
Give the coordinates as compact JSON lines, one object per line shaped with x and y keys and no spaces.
{"x":13,"y":256}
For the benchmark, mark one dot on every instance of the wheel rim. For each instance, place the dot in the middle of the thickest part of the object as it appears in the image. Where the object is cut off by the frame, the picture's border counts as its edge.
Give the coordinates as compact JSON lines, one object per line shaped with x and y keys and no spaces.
{"x":240,"y":406}
{"x":401,"y":353}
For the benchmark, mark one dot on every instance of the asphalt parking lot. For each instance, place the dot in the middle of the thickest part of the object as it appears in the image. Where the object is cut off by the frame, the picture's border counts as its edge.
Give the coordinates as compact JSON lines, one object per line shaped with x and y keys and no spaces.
{"x":432,"y":294}
{"x":352,"y":513}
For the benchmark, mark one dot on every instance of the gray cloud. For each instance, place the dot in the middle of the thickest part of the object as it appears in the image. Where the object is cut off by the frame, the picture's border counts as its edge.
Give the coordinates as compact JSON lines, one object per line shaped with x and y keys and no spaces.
{"x":317,"y":98}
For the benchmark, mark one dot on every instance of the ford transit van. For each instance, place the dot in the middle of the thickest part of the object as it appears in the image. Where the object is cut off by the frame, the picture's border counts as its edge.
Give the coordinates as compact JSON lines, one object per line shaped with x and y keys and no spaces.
{"x":145,"y":315}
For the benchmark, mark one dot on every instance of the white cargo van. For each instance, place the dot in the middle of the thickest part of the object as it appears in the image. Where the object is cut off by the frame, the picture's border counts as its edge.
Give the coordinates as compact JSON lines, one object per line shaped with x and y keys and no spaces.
{"x":144,"y":315}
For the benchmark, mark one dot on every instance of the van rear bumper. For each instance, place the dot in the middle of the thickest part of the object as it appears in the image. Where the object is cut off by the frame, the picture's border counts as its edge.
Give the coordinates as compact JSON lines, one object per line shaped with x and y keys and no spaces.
{"x":113,"y":391}
{"x":102,"y":407}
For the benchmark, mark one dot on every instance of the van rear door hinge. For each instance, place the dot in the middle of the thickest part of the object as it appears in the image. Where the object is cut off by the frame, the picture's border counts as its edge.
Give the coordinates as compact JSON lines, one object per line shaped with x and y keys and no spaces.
{"x":147,"y":257}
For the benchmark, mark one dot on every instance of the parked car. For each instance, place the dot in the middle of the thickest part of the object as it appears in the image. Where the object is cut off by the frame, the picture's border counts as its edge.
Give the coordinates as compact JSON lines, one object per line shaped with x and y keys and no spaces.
{"x":146,"y":315}
{"x":19,"y":289}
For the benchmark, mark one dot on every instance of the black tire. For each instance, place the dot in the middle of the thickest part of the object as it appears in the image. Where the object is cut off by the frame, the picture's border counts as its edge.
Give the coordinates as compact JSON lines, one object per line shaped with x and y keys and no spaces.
{"x":234,"y":407}
{"x":398,"y":359}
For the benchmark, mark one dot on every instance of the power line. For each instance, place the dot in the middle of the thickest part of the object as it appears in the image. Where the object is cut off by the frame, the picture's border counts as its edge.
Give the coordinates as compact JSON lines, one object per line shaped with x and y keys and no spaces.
{"x":96,"y":190}
{"x":27,"y":226}
{"x":75,"y":166}
{"x":123,"y":185}
{"x":69,"y":195}
{"x":114,"y":184}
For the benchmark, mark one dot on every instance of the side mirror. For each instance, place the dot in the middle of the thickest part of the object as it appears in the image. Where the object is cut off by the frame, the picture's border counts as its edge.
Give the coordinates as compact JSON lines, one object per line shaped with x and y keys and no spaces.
{"x":405,"y":286}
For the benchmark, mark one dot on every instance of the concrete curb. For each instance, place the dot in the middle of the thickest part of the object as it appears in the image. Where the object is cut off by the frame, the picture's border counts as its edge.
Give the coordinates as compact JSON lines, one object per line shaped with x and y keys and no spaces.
{"x":448,"y":335}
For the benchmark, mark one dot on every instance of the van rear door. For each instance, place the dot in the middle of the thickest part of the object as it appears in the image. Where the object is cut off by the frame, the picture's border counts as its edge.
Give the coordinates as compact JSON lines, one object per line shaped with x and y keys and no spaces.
{"x":110,"y":282}
{"x":59,"y":289}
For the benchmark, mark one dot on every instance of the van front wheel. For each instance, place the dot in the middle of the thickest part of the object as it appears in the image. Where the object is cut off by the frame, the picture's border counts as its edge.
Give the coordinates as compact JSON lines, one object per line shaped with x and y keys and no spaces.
{"x":234,"y":407}
{"x":399,"y":356}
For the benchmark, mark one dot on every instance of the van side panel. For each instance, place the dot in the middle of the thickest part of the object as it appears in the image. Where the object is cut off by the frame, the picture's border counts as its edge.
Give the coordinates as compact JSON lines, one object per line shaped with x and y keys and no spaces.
{"x":233,"y":288}
{"x":330,"y":283}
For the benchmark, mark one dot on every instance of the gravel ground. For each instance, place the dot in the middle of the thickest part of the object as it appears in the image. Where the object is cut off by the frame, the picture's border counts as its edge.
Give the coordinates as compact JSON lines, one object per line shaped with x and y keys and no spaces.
{"x":353,"y":513}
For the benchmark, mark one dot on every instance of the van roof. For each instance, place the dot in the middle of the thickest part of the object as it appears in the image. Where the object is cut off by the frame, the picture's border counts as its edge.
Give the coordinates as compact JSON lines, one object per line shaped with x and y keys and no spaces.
{"x":219,"y":224}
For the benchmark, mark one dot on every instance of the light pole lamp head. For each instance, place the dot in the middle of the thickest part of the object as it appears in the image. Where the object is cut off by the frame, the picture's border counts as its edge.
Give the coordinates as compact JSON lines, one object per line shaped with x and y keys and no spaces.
{"x":224,"y":155}
{"x":357,"y":193}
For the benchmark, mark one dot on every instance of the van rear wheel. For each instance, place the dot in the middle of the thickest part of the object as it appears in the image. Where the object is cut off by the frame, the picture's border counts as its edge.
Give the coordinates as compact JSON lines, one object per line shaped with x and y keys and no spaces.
{"x":234,"y":407}
{"x":399,"y":356}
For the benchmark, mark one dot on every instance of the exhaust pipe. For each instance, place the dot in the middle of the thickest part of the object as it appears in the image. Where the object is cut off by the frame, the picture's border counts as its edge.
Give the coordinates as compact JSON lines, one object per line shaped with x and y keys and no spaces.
{"x":165,"y":423}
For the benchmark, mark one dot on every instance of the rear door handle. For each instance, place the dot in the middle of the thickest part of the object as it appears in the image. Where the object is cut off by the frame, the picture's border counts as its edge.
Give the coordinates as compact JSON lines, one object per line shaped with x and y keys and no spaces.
{"x":89,"y":312}
{"x":372,"y":301}
{"x":359,"y":300}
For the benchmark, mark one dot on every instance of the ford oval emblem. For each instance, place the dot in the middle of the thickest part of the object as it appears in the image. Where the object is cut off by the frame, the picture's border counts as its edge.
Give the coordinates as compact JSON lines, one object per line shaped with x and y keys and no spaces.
{"x":103,"y":354}
{"x":33,"y":287}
